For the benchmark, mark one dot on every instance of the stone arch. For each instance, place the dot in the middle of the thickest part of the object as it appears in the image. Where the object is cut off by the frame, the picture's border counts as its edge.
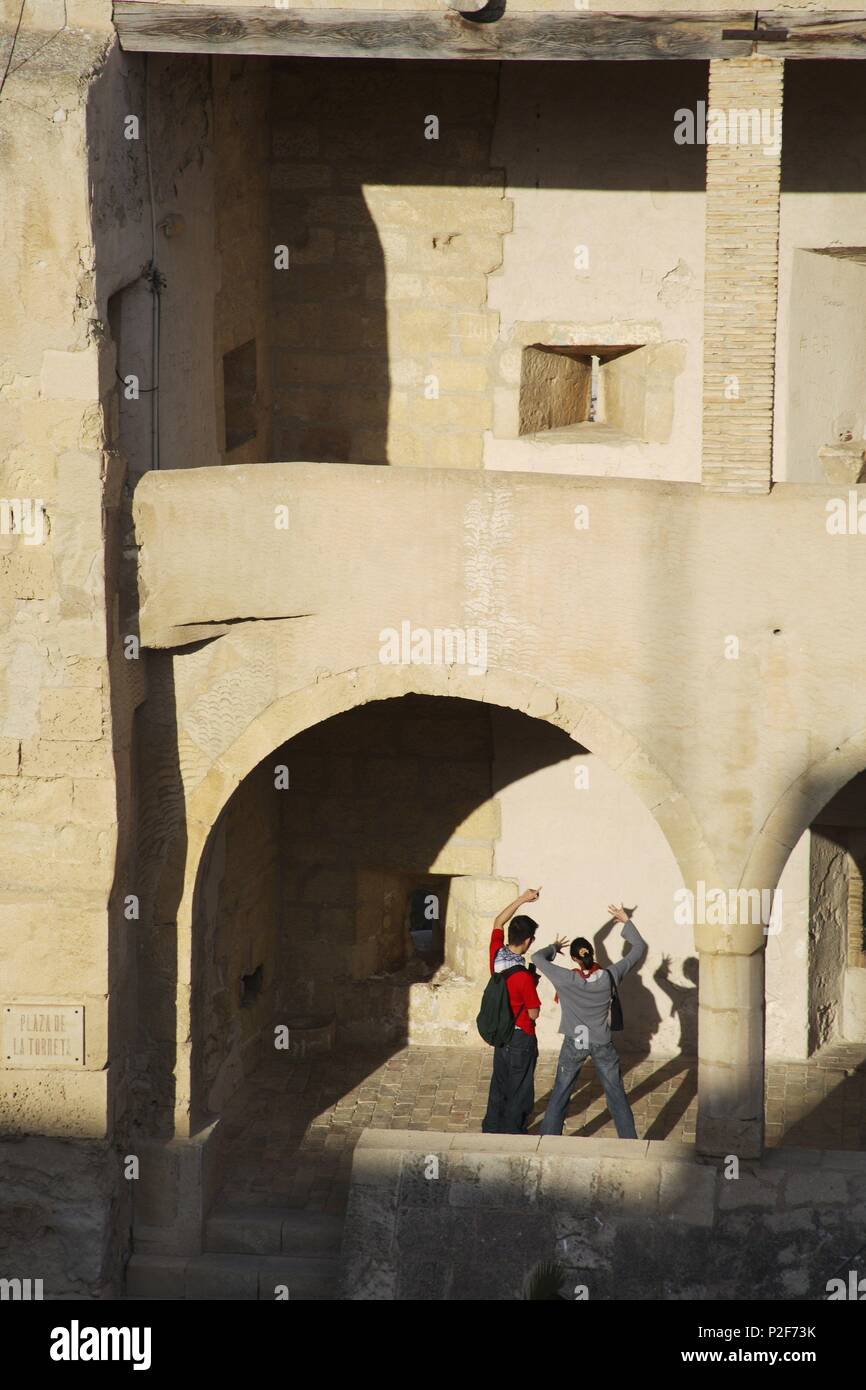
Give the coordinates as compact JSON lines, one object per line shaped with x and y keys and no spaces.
{"x":796,"y":809}
{"x":288,"y":715}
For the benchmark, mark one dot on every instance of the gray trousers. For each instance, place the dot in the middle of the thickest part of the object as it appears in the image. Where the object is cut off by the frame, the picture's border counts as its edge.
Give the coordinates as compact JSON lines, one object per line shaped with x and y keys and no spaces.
{"x":571,"y":1059}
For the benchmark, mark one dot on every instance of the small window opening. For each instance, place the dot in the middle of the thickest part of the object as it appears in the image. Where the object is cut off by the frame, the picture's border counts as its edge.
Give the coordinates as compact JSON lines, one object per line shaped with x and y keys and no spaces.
{"x":596,"y":384}
{"x":251,"y":986}
{"x":593,"y":389}
{"x":425,"y":916}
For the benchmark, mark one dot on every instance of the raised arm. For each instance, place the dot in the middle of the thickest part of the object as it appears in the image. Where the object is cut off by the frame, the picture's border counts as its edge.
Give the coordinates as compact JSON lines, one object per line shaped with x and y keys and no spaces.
{"x":630,"y":934}
{"x":508,"y":912}
{"x":543,"y":962}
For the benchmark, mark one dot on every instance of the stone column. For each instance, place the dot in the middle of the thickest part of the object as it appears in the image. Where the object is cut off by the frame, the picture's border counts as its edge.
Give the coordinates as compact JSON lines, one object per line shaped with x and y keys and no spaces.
{"x":731,"y":1039}
{"x":744,"y":110}
{"x":473,"y":903}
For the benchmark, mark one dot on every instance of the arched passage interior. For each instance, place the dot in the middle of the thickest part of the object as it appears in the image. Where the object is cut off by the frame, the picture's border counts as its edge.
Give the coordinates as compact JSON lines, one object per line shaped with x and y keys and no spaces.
{"x":347,"y":889}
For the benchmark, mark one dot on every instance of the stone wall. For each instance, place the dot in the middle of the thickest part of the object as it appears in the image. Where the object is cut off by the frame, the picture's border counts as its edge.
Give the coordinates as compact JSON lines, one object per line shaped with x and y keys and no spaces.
{"x":436,"y":1216}
{"x":381,"y":328}
{"x":59,"y":943}
{"x":381,"y":799}
{"x":239,"y":943}
{"x":828,"y":933}
{"x":413,"y":292}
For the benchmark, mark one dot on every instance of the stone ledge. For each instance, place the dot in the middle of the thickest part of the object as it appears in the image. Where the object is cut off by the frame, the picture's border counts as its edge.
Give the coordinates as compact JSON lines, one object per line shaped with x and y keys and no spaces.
{"x":623,"y":1216}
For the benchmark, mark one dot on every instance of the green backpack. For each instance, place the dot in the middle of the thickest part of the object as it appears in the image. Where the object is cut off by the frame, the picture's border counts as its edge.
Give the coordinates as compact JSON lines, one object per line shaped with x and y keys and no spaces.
{"x":495,"y":1021}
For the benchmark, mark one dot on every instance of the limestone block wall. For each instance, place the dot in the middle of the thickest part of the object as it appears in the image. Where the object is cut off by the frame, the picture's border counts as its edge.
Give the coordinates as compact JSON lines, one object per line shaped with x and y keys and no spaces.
{"x":242,"y":307}
{"x":436,"y":218}
{"x":204,"y":168}
{"x":58,"y":813}
{"x":379,"y":800}
{"x":75,"y":245}
{"x":381,"y":328}
{"x":473,"y":904}
{"x":433,"y":1217}
{"x":239,"y":938}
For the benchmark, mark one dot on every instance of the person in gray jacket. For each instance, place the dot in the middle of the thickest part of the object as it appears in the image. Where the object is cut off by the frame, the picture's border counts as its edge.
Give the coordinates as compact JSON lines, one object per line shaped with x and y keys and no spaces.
{"x":584,"y":995}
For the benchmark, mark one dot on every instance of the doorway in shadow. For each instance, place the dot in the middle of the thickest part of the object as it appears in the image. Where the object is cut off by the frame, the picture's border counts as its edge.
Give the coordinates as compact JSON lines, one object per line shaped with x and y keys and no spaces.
{"x":317,"y":881}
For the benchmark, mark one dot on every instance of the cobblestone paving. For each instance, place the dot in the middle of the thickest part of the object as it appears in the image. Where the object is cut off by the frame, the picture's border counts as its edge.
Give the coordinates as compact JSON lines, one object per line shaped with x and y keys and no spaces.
{"x":291,"y":1131}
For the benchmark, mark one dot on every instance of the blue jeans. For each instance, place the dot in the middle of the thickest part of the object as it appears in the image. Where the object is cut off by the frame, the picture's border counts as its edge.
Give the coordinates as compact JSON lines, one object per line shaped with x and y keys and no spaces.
{"x":571,"y":1059}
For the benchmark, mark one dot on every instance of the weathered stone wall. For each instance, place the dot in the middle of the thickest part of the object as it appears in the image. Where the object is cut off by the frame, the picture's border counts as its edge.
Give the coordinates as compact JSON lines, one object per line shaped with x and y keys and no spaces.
{"x":239,"y":906}
{"x":58,"y":738}
{"x":75,"y":246}
{"x":391,"y":236}
{"x":828,"y":934}
{"x":378,"y":800}
{"x":63,"y":1216}
{"x":467,"y":1217}
{"x":504,"y":555}
{"x":412,"y":291}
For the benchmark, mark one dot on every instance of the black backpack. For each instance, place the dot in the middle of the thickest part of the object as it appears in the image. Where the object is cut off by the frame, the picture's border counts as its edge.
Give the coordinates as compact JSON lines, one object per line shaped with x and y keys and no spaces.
{"x":495,"y":1021}
{"x":615,"y":1005}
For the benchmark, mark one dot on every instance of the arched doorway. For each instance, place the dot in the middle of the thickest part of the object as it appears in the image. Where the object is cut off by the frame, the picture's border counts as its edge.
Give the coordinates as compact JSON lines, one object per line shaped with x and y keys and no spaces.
{"x":310,"y":970}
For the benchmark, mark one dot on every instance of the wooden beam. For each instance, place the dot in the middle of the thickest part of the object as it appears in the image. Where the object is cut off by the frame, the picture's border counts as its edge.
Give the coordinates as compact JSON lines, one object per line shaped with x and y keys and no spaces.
{"x":837,"y":34}
{"x":172,"y":28}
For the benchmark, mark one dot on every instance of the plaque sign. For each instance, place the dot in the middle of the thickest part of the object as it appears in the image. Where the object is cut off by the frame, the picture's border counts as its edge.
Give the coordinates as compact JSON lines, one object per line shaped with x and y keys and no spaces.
{"x":43,"y":1035}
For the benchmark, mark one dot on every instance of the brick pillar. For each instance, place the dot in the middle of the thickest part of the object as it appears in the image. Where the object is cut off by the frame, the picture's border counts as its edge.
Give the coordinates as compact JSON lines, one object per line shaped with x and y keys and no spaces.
{"x":742,"y":252}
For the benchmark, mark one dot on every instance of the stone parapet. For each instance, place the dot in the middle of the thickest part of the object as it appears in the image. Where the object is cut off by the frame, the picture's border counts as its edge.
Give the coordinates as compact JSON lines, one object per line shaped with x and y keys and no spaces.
{"x":467,"y":1216}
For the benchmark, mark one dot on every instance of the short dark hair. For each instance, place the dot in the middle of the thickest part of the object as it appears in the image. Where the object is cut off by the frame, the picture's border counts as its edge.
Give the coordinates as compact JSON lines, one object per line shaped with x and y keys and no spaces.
{"x":521,"y":928}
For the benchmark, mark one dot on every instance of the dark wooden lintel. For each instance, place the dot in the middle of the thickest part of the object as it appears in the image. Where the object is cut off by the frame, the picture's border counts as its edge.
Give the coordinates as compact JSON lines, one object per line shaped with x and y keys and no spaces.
{"x":558,"y":36}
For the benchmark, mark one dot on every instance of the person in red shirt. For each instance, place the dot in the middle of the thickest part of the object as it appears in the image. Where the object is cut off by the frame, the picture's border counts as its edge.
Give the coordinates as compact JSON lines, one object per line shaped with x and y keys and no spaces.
{"x":512,"y":1085}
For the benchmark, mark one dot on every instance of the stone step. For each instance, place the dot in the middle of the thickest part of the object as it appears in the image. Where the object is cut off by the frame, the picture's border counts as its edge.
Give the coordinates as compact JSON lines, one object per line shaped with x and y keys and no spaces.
{"x":239,"y":1230}
{"x":235,"y":1277}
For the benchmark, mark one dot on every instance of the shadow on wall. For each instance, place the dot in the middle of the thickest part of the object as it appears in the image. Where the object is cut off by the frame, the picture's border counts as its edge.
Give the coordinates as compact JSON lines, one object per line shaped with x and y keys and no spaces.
{"x":824,"y":111}
{"x":311,"y":873}
{"x":358,"y":815}
{"x":386,"y":194}
{"x":654,"y":1226}
{"x":634,"y":993}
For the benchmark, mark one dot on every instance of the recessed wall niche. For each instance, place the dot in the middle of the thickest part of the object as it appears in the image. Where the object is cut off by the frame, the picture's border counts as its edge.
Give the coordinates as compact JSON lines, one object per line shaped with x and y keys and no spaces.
{"x":565,"y":386}
{"x":605,"y":384}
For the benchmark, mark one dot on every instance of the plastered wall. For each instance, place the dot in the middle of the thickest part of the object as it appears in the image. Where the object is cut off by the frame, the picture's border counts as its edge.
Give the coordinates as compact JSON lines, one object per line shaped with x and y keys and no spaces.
{"x":822,"y":205}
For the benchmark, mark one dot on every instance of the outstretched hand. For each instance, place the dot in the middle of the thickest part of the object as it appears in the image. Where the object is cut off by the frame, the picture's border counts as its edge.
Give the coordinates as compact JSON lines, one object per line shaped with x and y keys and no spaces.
{"x":560,"y":943}
{"x":530,"y":896}
{"x":619,"y":914}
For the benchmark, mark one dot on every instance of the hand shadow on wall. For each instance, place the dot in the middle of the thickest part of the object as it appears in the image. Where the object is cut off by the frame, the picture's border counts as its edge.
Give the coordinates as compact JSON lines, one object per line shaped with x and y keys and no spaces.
{"x":639,"y":1003}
